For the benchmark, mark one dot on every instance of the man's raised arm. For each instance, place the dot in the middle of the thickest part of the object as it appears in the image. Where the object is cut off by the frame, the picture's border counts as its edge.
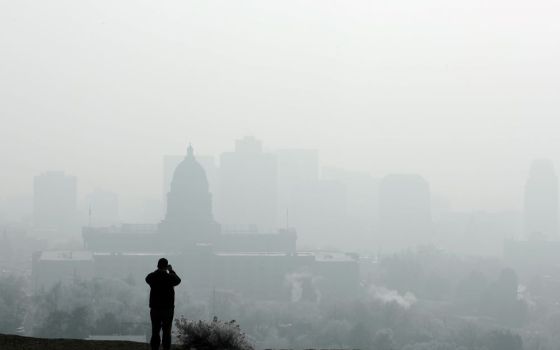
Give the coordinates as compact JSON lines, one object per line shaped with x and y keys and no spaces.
{"x":175,"y":280}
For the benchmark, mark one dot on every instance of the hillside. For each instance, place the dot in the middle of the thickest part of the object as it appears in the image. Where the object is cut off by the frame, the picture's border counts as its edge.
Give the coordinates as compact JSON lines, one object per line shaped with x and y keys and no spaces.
{"x":15,"y":342}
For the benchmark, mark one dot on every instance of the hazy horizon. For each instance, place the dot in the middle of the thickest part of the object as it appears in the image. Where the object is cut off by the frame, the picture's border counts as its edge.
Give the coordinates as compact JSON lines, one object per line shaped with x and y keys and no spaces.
{"x":462,"y":93}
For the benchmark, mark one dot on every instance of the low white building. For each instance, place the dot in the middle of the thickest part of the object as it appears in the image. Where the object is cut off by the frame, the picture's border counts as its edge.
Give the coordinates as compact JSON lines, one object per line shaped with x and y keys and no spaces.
{"x":51,"y":267}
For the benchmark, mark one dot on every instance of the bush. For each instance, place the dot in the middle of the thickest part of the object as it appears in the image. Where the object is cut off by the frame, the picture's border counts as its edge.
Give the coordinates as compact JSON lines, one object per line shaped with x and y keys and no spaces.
{"x":213,"y":334}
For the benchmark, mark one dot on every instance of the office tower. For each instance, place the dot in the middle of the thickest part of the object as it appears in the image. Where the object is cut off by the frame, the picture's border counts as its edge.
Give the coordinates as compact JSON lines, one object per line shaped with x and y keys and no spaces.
{"x":404,"y":211}
{"x":248,"y":187}
{"x":295,"y":167}
{"x":318,"y":210}
{"x":362,"y":200}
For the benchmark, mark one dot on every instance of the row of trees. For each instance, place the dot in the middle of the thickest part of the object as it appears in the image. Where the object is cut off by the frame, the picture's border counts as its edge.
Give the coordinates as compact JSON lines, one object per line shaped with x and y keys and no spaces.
{"x":471,"y":286}
{"x":368,"y":324}
{"x":13,"y":304}
{"x":410,"y":301}
{"x":82,"y":308}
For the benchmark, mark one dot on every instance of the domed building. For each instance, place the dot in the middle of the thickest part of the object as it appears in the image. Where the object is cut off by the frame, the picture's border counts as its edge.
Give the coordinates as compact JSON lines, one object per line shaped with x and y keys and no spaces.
{"x":254,"y":264}
{"x":189,"y":217}
{"x":188,"y":225}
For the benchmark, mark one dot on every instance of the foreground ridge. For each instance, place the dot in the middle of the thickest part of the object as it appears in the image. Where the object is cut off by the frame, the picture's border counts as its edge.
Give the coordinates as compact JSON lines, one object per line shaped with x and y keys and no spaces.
{"x":16,"y":342}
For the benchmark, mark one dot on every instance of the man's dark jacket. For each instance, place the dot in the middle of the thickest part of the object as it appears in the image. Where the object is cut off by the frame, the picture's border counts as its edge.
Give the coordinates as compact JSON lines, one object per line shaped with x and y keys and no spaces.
{"x":162,"y":295}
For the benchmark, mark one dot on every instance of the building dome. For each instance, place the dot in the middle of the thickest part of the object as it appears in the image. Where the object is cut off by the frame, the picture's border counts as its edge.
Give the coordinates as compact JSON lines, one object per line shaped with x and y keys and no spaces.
{"x":188,"y":200}
{"x":189,"y":176}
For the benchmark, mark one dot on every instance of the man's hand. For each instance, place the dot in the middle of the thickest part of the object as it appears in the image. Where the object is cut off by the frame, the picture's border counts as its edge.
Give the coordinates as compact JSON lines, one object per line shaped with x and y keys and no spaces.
{"x":169,"y":268}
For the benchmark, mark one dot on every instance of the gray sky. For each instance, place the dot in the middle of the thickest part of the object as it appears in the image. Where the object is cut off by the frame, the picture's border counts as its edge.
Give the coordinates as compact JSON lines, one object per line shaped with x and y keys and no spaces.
{"x":462,"y":92}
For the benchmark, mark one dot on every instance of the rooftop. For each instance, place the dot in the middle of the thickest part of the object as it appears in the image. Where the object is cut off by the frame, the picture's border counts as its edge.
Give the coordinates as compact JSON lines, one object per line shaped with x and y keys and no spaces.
{"x":66,"y":255}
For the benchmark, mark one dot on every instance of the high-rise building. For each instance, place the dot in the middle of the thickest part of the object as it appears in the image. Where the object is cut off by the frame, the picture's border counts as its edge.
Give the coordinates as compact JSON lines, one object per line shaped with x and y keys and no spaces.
{"x":361,"y":203}
{"x":404,"y":211}
{"x":318,"y":209}
{"x":54,"y":203}
{"x":248,"y":187}
{"x":188,"y":225}
{"x":541,"y":201}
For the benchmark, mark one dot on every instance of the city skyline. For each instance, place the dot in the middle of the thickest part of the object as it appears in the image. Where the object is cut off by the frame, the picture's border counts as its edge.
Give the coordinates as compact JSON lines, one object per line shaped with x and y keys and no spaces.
{"x":149,"y":189}
{"x":467,"y":107}
{"x":332,"y":207}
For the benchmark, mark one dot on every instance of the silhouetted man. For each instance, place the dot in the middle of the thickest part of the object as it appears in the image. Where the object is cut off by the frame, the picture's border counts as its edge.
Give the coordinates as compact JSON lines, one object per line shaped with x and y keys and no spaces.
{"x":162,"y":302}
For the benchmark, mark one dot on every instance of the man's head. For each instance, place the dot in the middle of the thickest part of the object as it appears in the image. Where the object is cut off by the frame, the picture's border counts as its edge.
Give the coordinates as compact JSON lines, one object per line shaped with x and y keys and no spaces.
{"x":162,"y":263}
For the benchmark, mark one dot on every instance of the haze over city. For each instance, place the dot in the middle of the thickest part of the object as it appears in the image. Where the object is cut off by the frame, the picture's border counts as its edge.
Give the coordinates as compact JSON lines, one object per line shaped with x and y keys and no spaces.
{"x":280,"y":174}
{"x":462,"y":93}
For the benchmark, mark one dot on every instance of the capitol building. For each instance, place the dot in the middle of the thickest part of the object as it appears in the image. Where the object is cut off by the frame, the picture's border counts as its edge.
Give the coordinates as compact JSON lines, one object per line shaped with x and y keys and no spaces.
{"x":261,"y":265}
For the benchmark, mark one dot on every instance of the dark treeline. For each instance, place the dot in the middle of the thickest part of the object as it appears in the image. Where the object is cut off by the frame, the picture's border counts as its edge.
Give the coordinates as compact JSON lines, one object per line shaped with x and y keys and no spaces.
{"x":424,"y":299}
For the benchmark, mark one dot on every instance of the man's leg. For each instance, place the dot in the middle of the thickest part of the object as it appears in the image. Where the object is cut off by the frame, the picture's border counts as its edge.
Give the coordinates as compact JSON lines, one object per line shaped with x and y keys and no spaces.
{"x":155,"y":316}
{"x":167,"y":323}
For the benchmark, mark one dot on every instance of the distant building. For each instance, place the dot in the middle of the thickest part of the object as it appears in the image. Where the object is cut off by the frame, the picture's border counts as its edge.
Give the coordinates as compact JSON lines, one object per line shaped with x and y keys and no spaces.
{"x":54,"y":203}
{"x":16,"y":248}
{"x":248,"y":187}
{"x":404,"y":211}
{"x":259,"y":265}
{"x":319,"y":210}
{"x":541,"y":201}
{"x":101,"y":208}
{"x":208,"y":163}
{"x":51,"y":267}
{"x":189,"y":218}
{"x":362,"y":202}
{"x":295,"y":167}
{"x":188,"y":222}
{"x":257,"y":275}
{"x":273,"y":276}
{"x":284,"y":240}
{"x":123,"y":238}
{"x":476,"y":232}
{"x":170,"y":163}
